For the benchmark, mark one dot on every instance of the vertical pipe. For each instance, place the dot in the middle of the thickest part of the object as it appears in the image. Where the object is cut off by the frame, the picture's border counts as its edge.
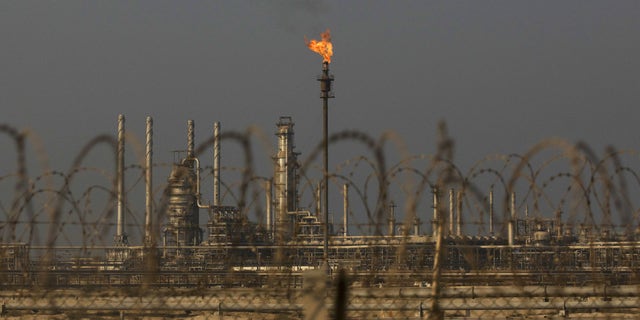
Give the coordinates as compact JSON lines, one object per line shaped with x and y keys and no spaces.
{"x":346,"y":210}
{"x":434,"y":222}
{"x":452,"y":194}
{"x":325,"y":163}
{"x":319,"y":201}
{"x":164,"y":244}
{"x":121,"y":238}
{"x":392,"y":219}
{"x":559,"y":232}
{"x":491,"y":212}
{"x":190,"y":139}
{"x":512,"y":219}
{"x":149,"y":182}
{"x":459,"y":216}
{"x":267,"y":192}
{"x":216,"y":164}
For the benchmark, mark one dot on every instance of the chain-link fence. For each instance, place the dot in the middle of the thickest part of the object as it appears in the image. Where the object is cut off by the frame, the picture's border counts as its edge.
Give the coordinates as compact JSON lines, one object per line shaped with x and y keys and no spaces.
{"x":548,"y":234}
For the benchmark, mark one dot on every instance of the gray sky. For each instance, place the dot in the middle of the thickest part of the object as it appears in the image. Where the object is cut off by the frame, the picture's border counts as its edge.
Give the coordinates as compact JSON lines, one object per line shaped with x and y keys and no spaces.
{"x":502,"y":74}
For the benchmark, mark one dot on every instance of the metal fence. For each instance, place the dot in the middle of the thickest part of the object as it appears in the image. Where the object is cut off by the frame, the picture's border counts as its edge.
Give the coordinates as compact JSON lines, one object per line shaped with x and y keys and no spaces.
{"x":567,"y":246}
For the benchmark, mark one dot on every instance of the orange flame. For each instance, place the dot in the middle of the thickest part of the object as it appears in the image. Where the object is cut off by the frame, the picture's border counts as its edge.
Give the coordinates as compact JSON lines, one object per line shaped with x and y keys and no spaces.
{"x":322,"y":47}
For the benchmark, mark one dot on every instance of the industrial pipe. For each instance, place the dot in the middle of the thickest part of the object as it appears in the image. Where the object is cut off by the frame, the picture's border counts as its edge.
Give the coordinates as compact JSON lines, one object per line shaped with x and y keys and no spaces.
{"x":319,"y":200}
{"x":198,"y":195}
{"x":325,"y":94}
{"x":345,"y":202}
{"x":191,"y":156}
{"x":452,"y":193}
{"x":512,"y":219}
{"x":216,"y":163}
{"x":121,"y":237}
{"x":190,"y":139}
{"x":267,"y":193}
{"x":459,"y":216}
{"x":434,"y":221}
{"x":491,"y":212}
{"x":392,"y":219}
{"x":149,"y":182}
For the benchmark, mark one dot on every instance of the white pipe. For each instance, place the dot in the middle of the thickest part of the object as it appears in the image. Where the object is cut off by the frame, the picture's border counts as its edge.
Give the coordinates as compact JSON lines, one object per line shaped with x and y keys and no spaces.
{"x":198,"y":195}
{"x":121,"y":238}
{"x":216,"y":163}
{"x":191,"y":156}
{"x":148,"y":181}
{"x":346,"y":209}
{"x":267,"y":192}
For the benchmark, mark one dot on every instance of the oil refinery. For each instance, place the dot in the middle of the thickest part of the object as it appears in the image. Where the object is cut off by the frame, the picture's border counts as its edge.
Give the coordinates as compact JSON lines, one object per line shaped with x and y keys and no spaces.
{"x":235,"y":251}
{"x":289,"y":256}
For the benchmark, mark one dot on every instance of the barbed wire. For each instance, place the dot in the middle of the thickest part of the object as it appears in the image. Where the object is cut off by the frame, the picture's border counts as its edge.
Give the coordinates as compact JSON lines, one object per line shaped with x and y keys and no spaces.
{"x":58,"y":259}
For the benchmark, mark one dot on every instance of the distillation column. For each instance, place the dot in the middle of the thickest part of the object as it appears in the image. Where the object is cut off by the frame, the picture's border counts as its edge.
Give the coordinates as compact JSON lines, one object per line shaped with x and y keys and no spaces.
{"x":182,"y":210}
{"x":285,"y":180}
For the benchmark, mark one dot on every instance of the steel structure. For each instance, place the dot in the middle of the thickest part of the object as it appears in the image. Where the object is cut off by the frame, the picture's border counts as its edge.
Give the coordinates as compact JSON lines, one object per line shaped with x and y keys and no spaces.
{"x":232,"y":250}
{"x":534,"y":251}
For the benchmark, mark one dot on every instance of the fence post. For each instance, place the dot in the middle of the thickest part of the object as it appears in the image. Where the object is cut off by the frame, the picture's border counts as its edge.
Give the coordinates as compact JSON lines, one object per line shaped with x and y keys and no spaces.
{"x":438,"y":260}
{"x":314,"y":293}
{"x":341,"y":296}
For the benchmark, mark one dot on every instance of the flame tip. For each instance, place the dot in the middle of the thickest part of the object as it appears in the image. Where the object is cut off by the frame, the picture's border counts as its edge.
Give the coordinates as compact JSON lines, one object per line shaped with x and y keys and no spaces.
{"x":323,"y":47}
